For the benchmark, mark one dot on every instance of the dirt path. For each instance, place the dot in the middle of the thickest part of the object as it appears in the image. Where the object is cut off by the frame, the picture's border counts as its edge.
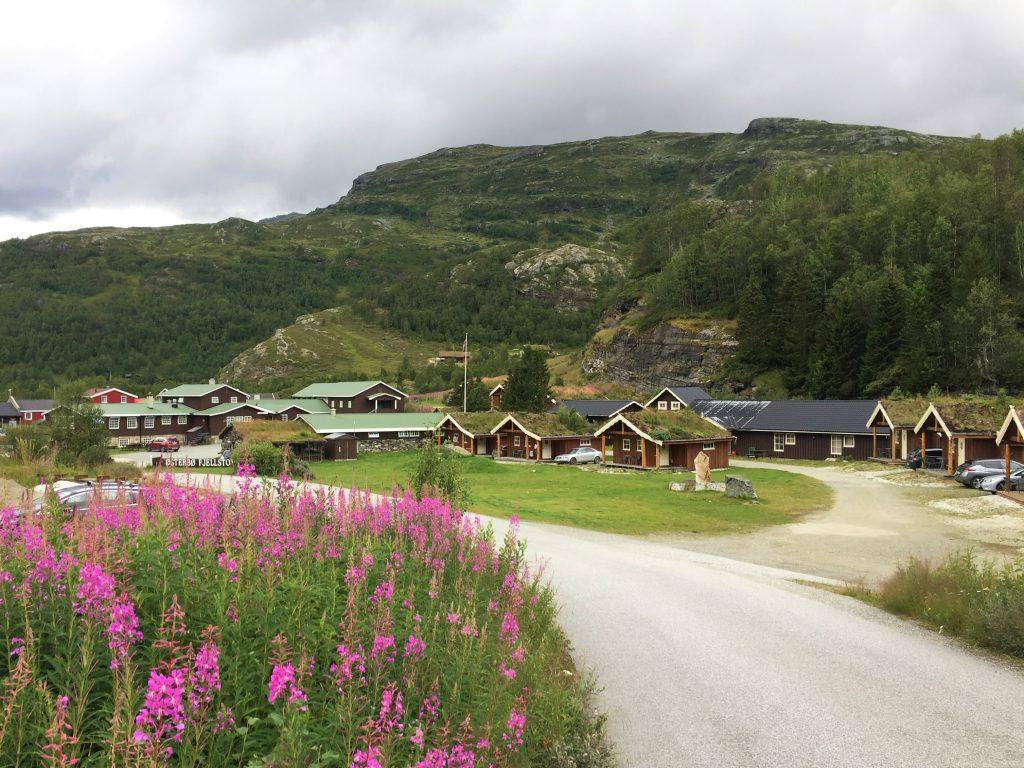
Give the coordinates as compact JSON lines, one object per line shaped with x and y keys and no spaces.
{"x":874,"y":524}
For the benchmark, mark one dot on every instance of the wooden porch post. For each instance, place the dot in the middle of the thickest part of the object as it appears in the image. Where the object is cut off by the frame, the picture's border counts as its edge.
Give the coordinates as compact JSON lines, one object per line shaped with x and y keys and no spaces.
{"x":643,"y":453}
{"x":874,"y":441}
{"x":603,"y":454}
{"x":1006,"y":459}
{"x":924,"y":445}
{"x":950,"y":445}
{"x":892,"y":444}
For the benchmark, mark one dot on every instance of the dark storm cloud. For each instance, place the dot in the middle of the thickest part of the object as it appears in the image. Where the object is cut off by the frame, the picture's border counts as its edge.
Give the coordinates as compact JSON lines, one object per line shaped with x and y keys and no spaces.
{"x":146,"y":113}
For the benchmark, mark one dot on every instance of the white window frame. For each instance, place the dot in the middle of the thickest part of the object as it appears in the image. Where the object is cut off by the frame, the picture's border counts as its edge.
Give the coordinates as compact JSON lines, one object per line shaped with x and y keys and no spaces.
{"x":124,"y":399}
{"x":517,"y":441}
{"x":709,"y":446}
{"x":131,"y":422}
{"x":149,"y":422}
{"x":246,"y":418}
{"x":234,"y":399}
{"x":584,"y":442}
{"x":458,"y":435}
{"x":675,"y":405}
{"x":349,"y":406}
{"x":852,"y":441}
{"x":284,"y":417}
{"x":373,"y":435}
{"x":836,"y":445}
{"x":215,"y":400}
{"x":28,"y":415}
{"x":165,"y":421}
{"x":779,"y":442}
{"x":183,"y":419}
{"x":122,"y":442}
{"x":791,"y":438}
{"x":103,"y":399}
{"x":114,"y":422}
{"x":662,"y":405}
{"x":627,"y":444}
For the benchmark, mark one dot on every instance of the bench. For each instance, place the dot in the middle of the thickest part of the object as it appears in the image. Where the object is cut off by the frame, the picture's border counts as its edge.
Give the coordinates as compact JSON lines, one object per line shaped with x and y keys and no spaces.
{"x":756,"y":453}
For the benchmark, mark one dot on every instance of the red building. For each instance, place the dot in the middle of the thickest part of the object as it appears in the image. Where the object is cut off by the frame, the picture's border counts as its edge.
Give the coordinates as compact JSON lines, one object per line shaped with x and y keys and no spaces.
{"x":110,"y":395}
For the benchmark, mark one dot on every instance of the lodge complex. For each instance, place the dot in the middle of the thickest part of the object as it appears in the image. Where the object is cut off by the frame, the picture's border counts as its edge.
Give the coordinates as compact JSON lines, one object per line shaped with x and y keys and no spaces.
{"x":666,"y":431}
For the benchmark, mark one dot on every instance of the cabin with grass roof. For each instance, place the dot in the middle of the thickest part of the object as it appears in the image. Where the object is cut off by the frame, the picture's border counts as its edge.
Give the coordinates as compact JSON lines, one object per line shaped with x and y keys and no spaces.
{"x":898,"y":416}
{"x":965,"y":427}
{"x":471,"y":432}
{"x":1010,"y":437}
{"x":659,"y":439}
{"x":540,"y":436}
{"x":297,"y":436}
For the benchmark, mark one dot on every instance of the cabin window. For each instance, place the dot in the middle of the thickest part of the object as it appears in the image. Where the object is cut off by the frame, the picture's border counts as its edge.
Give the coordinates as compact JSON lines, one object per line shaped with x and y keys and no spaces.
{"x":124,"y":398}
{"x":132,"y":422}
{"x":165,"y":420}
{"x":28,"y":417}
{"x":215,"y":400}
{"x":779,"y":442}
{"x":284,"y":417}
{"x":837,"y":445}
{"x":675,"y":405}
{"x":149,"y":422}
{"x":584,"y":442}
{"x":183,"y":419}
{"x":626,"y":444}
{"x":849,"y":441}
{"x":791,"y":438}
{"x":373,"y":435}
{"x":103,"y":399}
{"x":662,"y":405}
{"x":417,"y":434}
{"x":517,"y":440}
{"x":122,"y":442}
{"x":709,"y":446}
{"x":349,"y":406}
{"x":114,"y":423}
{"x":234,"y":399}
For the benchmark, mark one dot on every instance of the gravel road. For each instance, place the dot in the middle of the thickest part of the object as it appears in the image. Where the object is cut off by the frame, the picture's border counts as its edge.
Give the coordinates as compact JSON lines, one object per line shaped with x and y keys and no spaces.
{"x":707,"y":661}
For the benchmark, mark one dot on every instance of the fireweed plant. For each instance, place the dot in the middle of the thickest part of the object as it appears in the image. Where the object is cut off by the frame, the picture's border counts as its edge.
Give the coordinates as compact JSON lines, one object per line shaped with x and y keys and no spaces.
{"x":277,"y":626}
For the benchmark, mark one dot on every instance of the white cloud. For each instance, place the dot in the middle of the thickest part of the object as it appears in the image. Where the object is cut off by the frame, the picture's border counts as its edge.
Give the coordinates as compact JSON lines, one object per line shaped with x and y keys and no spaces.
{"x":146,"y":113}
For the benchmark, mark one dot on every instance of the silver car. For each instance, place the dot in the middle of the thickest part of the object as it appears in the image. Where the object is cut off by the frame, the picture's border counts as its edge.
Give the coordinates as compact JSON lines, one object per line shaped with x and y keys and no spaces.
{"x":994,"y":483}
{"x":582,"y":455}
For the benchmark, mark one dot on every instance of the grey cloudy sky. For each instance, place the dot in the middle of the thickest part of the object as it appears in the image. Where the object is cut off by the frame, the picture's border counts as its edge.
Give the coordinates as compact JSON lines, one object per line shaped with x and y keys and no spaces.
{"x":132,"y":113}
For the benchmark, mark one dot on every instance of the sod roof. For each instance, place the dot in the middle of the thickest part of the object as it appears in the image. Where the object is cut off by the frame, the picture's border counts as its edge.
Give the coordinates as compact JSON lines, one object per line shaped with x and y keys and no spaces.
{"x":479,"y":422}
{"x":547,"y":425}
{"x":674,"y":425}
{"x":972,"y":414}
{"x":905,"y":411}
{"x":275,"y":431}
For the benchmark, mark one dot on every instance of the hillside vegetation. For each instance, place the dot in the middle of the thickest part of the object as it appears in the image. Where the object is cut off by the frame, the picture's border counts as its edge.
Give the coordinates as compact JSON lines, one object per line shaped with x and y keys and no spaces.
{"x":434,"y":247}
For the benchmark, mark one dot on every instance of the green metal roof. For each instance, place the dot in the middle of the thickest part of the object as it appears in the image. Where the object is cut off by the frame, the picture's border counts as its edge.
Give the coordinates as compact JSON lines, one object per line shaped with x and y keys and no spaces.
{"x":195,"y":390}
{"x":338,"y":388}
{"x":143,"y":409}
{"x":372,"y":422}
{"x":309,"y":404}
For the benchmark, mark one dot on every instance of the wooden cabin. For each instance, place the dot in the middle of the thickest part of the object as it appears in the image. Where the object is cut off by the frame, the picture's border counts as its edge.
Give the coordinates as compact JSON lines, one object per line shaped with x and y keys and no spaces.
{"x":898,"y":417}
{"x":964,"y":427}
{"x":1010,"y":437}
{"x":539,"y":436}
{"x":201,"y":397}
{"x":652,"y":439}
{"x":472,"y":432}
{"x":356,"y":396}
{"x":495,"y":395}
{"x":597,"y":411}
{"x":301,"y":441}
{"x":677,"y":398}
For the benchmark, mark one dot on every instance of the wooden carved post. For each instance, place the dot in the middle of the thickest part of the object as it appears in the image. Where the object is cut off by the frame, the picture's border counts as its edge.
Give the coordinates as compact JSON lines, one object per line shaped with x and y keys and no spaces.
{"x":951,"y":443}
{"x":1006,"y":459}
{"x":643,"y":452}
{"x":874,"y":441}
{"x":892,"y":444}
{"x":924,"y":445}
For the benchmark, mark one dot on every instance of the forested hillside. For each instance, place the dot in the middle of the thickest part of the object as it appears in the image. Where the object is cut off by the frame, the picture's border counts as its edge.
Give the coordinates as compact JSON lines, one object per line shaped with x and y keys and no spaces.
{"x":848,"y":254}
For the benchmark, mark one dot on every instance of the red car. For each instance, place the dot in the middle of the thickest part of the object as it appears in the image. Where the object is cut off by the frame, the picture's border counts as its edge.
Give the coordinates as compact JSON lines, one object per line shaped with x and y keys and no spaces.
{"x":164,"y":444}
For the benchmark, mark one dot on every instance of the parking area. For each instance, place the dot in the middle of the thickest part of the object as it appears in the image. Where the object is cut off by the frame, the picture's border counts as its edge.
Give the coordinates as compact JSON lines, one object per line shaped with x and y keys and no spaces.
{"x":145,"y":458}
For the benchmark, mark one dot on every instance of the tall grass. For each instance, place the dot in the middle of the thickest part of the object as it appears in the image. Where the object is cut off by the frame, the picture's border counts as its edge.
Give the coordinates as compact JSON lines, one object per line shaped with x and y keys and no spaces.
{"x":978,"y":601}
{"x":280,"y":628}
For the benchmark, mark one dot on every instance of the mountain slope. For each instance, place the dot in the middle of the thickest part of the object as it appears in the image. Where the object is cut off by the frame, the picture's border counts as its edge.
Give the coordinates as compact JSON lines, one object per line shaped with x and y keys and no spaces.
{"x":421,"y":243}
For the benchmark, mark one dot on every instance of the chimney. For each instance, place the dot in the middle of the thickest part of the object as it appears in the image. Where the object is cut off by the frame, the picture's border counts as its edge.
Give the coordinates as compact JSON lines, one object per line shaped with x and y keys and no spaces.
{"x":149,"y":401}
{"x":256,"y":396}
{"x":212,"y":382}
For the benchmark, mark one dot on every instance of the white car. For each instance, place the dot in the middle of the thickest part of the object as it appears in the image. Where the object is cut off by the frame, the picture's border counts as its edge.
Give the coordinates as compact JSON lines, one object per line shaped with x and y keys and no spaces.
{"x":994,"y":483}
{"x":579,"y":456}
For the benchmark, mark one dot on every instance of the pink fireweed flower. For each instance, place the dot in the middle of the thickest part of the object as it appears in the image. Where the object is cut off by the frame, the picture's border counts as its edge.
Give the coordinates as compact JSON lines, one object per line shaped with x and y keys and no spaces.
{"x":205,"y":676}
{"x":94,"y":593}
{"x":349,"y":664}
{"x":414,"y":647}
{"x":509,"y":628}
{"x":225,"y":719}
{"x":123,"y":630}
{"x":368,"y":758}
{"x":246,"y":470}
{"x":390,"y":717}
{"x":161,"y":720}
{"x":383,"y":593}
{"x":417,"y":737}
{"x":383,"y":646}
{"x":60,"y":739}
{"x":513,"y":735}
{"x":17,"y":646}
{"x":283,"y":682}
{"x":508,"y":672}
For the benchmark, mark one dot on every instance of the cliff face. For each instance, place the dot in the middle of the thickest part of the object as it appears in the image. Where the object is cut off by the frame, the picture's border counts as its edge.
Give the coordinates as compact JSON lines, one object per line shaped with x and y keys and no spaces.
{"x":672,"y":353}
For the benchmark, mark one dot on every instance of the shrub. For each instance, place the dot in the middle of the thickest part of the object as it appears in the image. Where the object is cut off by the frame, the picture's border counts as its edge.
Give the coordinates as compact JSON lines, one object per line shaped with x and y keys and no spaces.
{"x":290,"y":629}
{"x":266,"y":458}
{"x":439,"y":472}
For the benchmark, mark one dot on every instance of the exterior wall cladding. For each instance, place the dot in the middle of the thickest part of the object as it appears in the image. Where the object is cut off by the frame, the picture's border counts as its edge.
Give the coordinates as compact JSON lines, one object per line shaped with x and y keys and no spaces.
{"x":808,"y":445}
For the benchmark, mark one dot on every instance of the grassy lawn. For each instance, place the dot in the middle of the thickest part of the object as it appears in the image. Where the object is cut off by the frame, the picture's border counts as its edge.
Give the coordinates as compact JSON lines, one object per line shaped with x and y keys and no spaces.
{"x":621,"y":502}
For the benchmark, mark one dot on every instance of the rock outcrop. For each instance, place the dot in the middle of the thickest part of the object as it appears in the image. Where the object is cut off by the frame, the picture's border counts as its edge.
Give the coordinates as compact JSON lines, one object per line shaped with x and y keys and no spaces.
{"x":569,"y":277}
{"x":672,"y":353}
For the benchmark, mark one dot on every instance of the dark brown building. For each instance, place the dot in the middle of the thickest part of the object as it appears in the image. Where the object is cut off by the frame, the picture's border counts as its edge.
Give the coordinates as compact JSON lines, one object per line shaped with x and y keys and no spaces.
{"x":676,"y":398}
{"x":137,"y":423}
{"x":651,"y":439}
{"x":202,"y":397}
{"x":344,"y":397}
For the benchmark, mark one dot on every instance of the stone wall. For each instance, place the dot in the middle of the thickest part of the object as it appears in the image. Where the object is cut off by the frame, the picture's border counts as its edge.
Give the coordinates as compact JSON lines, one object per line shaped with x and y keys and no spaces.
{"x":390,"y":445}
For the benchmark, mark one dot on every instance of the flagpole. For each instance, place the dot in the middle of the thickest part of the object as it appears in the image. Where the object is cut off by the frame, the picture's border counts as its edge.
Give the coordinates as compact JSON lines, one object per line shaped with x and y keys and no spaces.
{"x":465,"y":370}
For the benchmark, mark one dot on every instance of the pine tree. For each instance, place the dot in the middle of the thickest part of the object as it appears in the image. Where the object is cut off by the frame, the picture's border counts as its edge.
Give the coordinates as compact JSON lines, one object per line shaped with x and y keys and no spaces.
{"x":528,"y":386}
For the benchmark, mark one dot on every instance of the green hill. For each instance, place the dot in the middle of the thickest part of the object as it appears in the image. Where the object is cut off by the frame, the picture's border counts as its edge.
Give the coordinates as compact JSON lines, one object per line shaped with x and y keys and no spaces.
{"x":457,"y":240}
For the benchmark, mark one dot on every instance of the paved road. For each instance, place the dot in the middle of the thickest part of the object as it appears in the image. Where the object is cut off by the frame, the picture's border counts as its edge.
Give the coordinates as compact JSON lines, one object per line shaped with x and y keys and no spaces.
{"x":871,"y":527}
{"x":145,"y":458}
{"x":706,"y":661}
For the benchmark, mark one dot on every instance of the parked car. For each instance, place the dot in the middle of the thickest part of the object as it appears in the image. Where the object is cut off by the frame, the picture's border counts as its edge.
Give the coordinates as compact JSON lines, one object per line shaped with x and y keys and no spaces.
{"x":76,"y":496}
{"x":994,"y":483}
{"x":933,"y":456}
{"x":164,"y":444}
{"x":971,"y":473}
{"x":579,"y":456}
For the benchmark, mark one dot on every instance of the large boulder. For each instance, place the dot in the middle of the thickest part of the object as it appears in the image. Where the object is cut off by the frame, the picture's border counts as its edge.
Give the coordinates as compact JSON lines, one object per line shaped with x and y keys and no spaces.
{"x":569,"y":277}
{"x":737,"y":487}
